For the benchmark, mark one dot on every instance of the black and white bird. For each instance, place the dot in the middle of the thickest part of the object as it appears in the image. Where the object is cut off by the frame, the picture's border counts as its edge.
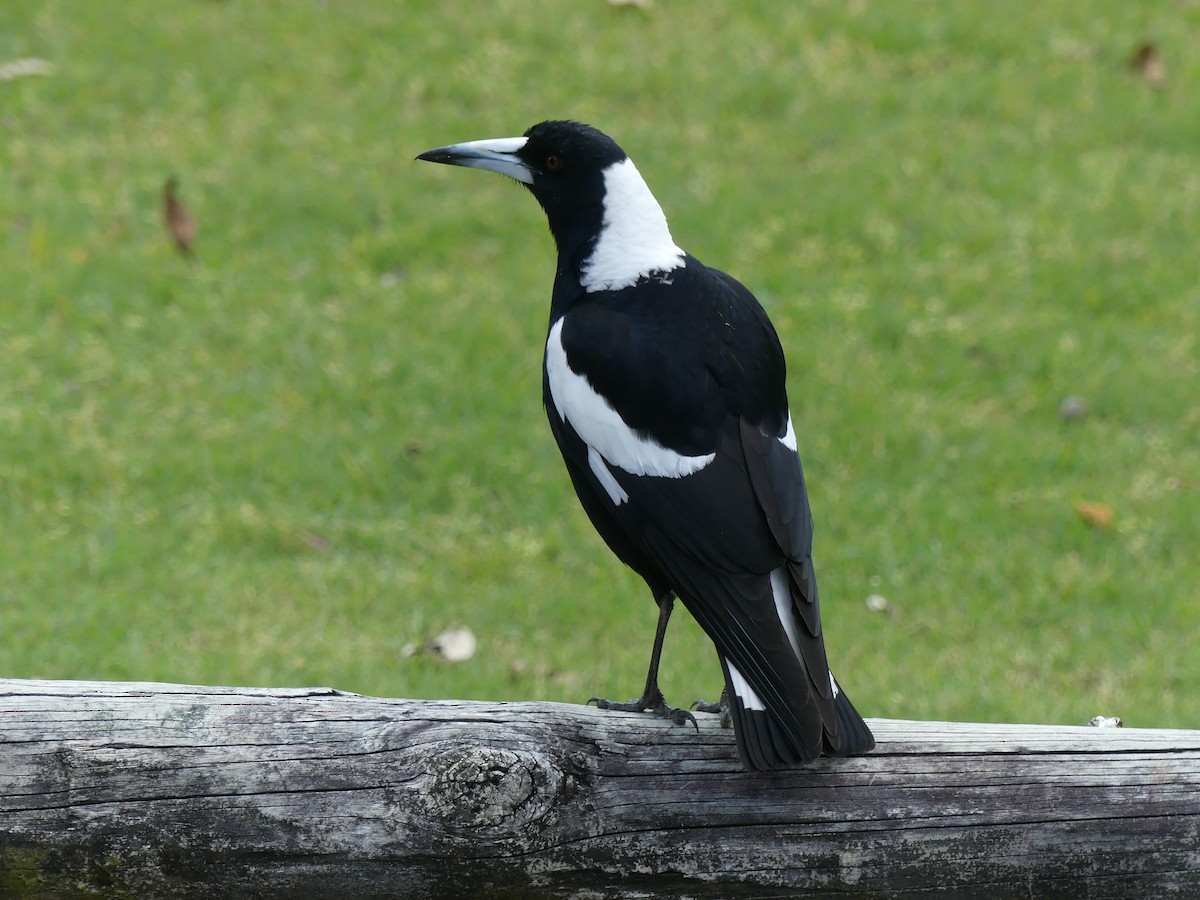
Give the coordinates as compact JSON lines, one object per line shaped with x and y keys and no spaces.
{"x":664,"y":385}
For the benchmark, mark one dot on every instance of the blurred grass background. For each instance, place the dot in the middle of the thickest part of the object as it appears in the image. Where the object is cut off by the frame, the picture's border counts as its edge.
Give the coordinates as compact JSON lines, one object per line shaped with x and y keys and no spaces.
{"x":320,"y":442}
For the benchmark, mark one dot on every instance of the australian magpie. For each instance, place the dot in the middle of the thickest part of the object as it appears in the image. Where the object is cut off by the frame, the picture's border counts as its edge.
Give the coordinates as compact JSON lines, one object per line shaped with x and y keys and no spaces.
{"x":663,"y":381}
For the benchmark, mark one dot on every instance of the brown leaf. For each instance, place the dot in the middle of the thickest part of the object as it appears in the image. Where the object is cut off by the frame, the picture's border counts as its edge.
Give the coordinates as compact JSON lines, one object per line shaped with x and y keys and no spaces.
{"x":315,"y":542}
{"x":179,"y":222}
{"x":1148,"y":63}
{"x":1098,"y":515}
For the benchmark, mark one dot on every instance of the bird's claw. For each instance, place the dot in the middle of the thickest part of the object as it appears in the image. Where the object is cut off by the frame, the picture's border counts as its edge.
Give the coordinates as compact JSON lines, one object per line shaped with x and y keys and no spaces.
{"x":652,"y":703}
{"x":678,"y":716}
{"x":721,"y":707}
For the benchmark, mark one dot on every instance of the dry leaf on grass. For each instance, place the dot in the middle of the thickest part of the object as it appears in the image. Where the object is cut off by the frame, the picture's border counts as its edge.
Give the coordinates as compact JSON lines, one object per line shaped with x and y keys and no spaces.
{"x":1148,"y":63}
{"x":24,"y":68}
{"x":178,"y":221}
{"x":1073,"y":408}
{"x":877,"y":603}
{"x":454,"y":644}
{"x":1098,"y":515}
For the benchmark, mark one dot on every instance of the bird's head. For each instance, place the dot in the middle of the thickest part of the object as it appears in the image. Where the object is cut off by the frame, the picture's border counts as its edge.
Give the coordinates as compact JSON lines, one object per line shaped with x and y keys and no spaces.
{"x":562,"y":163}
{"x":599,"y":209}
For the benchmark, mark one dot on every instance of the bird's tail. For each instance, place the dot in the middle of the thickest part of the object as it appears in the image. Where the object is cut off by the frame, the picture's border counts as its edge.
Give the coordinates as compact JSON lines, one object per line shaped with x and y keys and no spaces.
{"x":768,"y":741}
{"x":854,"y":737}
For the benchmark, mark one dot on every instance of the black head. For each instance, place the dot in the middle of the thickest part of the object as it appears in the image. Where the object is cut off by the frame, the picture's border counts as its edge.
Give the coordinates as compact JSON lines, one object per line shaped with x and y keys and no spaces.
{"x":568,"y":160}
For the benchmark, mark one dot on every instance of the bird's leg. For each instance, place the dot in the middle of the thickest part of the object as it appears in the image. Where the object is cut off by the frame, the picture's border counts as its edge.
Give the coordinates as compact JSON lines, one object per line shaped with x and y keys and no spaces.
{"x":652,"y":697}
{"x":721,"y":707}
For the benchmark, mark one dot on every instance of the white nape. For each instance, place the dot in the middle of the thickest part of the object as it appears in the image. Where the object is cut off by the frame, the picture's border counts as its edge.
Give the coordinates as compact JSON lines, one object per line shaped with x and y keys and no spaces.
{"x":602,"y":428}
{"x":741,"y":687}
{"x":634,"y":238}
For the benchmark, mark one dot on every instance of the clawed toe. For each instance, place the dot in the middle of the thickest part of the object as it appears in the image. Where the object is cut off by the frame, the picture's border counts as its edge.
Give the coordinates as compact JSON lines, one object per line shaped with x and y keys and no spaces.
{"x":676,"y":715}
{"x":721,"y":707}
{"x":652,"y":703}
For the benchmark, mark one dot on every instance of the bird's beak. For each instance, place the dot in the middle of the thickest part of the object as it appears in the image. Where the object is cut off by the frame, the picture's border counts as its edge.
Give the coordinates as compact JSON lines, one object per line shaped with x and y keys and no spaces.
{"x":495,"y":155}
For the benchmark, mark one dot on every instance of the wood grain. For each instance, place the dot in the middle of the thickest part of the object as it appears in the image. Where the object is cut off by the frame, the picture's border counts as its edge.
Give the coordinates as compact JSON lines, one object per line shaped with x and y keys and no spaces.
{"x":156,"y":790}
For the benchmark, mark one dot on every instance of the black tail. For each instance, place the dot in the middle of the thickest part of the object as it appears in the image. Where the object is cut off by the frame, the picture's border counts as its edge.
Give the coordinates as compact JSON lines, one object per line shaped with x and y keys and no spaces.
{"x":765,"y":743}
{"x":854,"y":737}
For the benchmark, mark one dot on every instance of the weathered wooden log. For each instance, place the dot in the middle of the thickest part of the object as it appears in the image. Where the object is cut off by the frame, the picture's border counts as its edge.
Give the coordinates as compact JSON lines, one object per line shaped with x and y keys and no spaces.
{"x":153,"y":790}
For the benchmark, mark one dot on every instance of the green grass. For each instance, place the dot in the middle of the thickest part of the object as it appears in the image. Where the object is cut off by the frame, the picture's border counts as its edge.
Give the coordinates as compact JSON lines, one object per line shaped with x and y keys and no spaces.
{"x":322,"y":441}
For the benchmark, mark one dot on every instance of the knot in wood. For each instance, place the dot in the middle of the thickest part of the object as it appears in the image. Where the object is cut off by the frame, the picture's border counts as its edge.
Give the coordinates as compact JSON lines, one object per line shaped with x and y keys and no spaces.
{"x":492,"y":790}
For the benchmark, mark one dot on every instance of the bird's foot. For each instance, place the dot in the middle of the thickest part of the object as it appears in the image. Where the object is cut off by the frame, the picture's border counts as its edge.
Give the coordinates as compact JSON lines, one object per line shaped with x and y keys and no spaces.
{"x":652,"y":702}
{"x":721,"y":707}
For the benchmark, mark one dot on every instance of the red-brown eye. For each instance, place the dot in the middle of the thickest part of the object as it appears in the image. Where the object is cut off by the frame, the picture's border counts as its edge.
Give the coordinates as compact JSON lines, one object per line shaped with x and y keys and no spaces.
{"x":553,"y":163}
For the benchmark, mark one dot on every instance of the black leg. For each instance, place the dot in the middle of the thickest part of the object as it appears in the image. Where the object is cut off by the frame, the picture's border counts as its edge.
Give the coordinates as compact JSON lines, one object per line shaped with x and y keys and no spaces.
{"x":652,"y":698}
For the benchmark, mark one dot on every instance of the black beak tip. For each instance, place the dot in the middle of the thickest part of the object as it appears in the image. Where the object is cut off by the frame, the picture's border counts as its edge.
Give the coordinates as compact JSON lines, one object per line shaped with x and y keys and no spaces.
{"x":437,"y":155}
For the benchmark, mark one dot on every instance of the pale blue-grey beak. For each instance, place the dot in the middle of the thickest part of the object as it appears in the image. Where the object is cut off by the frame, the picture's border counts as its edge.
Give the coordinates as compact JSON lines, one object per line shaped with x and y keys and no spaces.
{"x":495,"y":155}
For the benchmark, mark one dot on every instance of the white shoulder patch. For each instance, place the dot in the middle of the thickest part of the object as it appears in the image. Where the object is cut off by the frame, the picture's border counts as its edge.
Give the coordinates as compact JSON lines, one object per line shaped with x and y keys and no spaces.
{"x":634,"y":238}
{"x":603,"y":429}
